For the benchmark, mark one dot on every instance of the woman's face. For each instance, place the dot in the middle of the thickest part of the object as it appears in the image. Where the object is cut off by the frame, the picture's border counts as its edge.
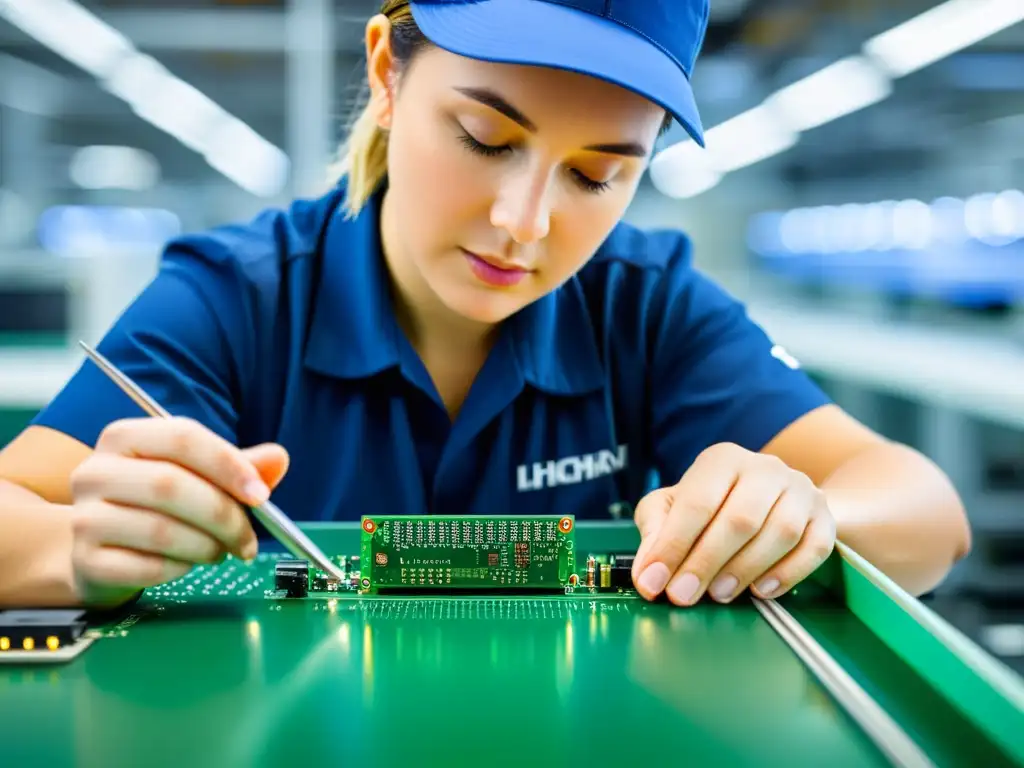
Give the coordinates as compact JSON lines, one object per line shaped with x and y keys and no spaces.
{"x":504,"y":179}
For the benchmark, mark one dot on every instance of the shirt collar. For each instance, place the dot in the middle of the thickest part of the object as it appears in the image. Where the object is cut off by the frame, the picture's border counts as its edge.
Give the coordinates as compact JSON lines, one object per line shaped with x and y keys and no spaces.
{"x":555,"y":341}
{"x":354,"y":332}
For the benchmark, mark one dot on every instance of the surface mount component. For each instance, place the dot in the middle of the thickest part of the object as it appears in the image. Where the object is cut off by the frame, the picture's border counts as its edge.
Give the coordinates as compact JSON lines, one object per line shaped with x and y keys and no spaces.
{"x":292,"y":577}
{"x":622,"y":571}
{"x":45,"y":636}
{"x":451,"y":553}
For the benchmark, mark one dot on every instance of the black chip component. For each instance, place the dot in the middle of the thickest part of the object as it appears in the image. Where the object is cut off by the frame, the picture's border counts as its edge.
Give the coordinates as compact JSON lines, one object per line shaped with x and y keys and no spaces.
{"x":40,"y":630}
{"x":320,"y":582}
{"x":622,"y":576}
{"x":622,"y":571}
{"x":625,"y":561}
{"x":292,"y":577}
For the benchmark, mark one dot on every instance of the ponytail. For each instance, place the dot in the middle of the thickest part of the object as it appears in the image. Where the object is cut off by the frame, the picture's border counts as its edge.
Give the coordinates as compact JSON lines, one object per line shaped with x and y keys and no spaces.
{"x":364,"y":160}
{"x":364,"y":153}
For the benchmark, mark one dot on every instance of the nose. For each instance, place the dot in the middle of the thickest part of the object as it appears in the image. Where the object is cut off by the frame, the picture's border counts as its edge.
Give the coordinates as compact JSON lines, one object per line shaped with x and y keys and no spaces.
{"x":522,"y":206}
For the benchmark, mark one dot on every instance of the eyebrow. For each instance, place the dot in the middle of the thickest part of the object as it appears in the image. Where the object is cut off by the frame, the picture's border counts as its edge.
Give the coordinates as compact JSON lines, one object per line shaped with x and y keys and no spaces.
{"x":498,"y":103}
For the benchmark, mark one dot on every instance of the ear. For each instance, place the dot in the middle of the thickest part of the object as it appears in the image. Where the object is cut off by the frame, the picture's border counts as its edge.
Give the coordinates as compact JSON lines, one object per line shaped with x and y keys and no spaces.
{"x":380,"y":69}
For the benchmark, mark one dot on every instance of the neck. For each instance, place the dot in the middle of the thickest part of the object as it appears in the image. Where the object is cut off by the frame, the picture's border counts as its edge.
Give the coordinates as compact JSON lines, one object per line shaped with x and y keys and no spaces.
{"x":431,"y":327}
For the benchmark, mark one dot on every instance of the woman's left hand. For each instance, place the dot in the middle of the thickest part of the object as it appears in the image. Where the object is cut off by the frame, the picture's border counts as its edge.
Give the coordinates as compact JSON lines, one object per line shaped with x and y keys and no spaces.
{"x":736,"y":519}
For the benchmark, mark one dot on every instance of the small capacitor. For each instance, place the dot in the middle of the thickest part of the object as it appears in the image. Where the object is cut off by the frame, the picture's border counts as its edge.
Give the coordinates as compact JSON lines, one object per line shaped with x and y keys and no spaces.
{"x":606,"y":576}
{"x":591,"y":565}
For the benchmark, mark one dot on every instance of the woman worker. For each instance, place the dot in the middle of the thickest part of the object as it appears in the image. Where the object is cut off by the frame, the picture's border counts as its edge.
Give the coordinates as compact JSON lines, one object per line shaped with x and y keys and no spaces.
{"x":464,"y":325}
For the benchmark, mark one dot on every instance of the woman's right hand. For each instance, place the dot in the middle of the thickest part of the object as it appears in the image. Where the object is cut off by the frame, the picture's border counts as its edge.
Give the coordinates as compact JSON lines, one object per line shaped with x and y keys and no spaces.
{"x":158,"y":496}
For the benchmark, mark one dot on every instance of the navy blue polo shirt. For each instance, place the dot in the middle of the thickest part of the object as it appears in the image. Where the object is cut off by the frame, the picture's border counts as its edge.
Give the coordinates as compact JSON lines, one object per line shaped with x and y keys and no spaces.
{"x":281,"y":330}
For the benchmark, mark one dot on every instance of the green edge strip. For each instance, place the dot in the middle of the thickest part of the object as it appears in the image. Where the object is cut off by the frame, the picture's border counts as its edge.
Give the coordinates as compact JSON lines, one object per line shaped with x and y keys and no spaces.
{"x":986,"y":692}
{"x":32,"y":339}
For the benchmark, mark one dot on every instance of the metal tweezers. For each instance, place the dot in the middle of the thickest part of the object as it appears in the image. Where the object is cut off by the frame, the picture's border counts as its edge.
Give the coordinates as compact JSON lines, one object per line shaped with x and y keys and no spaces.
{"x":276,"y":521}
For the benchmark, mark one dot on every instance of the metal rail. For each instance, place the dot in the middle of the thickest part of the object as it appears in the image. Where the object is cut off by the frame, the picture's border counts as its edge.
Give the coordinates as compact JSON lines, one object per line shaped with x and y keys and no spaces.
{"x":887,"y":735}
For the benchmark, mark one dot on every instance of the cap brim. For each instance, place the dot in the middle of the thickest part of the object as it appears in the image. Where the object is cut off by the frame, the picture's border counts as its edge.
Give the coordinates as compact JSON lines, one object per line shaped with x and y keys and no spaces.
{"x":536,"y":34}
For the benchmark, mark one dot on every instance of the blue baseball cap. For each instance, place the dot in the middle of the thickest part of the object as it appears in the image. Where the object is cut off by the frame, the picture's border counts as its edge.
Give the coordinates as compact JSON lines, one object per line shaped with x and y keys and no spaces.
{"x":646,"y":46}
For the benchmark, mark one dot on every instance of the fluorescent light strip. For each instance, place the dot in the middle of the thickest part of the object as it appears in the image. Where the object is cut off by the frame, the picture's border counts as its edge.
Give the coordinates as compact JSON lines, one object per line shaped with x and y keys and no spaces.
{"x":941,"y":31}
{"x":686,"y":170}
{"x":114,"y":167}
{"x":69,"y":30}
{"x":839,"y":89}
{"x":990,"y":218}
{"x":167,"y":102}
{"x":683,"y":171}
{"x":748,"y":138}
{"x":231,"y":152}
{"x":154,"y":94}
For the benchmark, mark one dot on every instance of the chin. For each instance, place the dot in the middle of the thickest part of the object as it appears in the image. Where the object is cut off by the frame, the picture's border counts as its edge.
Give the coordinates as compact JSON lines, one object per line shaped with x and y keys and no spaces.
{"x":481,"y":305}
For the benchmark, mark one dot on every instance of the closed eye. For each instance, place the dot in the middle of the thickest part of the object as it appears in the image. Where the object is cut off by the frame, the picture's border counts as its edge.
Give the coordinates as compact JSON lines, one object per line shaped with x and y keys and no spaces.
{"x":588,"y":183}
{"x":494,"y":150}
{"x":489,"y":150}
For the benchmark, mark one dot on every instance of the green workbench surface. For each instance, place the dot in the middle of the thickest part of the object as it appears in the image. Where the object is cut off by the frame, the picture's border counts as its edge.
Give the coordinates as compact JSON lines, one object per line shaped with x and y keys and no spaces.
{"x":237,"y":677}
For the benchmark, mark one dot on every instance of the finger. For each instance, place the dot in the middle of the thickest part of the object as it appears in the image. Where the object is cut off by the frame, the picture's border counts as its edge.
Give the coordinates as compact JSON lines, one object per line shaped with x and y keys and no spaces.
{"x":814,"y":549}
{"x":696,"y":498}
{"x":165,"y":487}
{"x":738,"y":522}
{"x":271,"y":462}
{"x":649,"y":516}
{"x":106,"y":524}
{"x":780,"y":534}
{"x":113,"y":567}
{"x":191,"y":445}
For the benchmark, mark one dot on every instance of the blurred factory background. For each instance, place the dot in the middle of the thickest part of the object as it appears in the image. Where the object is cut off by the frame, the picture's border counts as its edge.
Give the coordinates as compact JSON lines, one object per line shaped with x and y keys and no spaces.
{"x":861,"y":191}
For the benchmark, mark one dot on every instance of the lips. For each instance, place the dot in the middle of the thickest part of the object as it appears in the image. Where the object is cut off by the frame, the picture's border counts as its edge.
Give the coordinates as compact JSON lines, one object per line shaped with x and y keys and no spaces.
{"x":494,"y":272}
{"x":496,"y":262}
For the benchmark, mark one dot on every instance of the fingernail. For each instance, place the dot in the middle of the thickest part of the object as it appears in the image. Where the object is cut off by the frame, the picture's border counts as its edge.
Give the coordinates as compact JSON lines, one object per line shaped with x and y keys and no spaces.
{"x":768,"y":587}
{"x":654,"y":579}
{"x":250,"y":550}
{"x":683,"y":588}
{"x":723,"y":587}
{"x":256,"y":491}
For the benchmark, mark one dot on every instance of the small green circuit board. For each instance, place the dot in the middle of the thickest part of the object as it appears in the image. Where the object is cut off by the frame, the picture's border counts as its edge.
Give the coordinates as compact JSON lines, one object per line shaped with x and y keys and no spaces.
{"x":451,"y":553}
{"x":436,"y":556}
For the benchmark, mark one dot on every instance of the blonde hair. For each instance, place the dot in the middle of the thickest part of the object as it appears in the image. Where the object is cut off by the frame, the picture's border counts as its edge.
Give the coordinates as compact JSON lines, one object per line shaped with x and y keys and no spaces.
{"x":363,"y":156}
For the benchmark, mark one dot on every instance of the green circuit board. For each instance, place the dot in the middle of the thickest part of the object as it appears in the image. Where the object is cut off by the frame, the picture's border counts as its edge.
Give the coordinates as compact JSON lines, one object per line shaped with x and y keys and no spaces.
{"x":271,"y":640}
{"x":451,"y":555}
{"x":397,"y":555}
{"x":417,"y":553}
